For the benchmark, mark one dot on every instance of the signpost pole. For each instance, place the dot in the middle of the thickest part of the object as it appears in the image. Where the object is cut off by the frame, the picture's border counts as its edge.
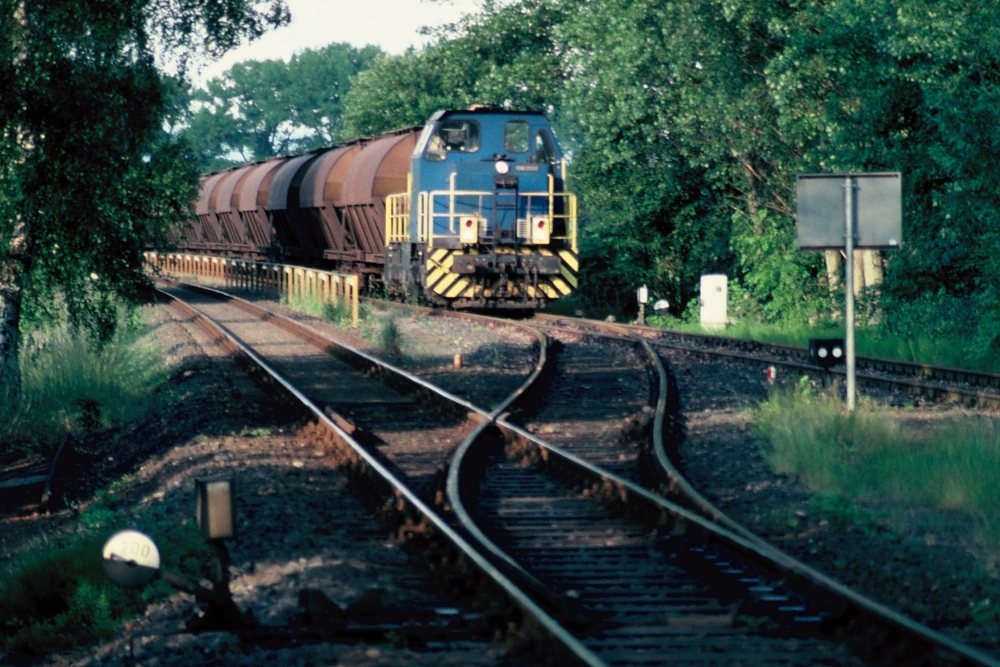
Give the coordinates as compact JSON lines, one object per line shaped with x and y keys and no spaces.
{"x":849,"y":288}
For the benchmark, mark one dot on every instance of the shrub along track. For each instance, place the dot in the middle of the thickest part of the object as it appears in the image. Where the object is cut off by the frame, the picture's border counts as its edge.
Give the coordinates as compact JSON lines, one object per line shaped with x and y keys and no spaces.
{"x":639,"y":579}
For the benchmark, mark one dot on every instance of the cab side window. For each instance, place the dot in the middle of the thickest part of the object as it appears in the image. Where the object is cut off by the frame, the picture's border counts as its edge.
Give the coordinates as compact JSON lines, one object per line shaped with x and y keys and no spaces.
{"x":515,"y":136}
{"x":545,"y":152}
{"x":453,"y":136}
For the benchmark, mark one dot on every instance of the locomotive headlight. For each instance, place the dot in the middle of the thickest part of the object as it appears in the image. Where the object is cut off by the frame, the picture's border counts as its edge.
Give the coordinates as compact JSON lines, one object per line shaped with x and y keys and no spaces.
{"x":501,"y":167}
{"x":540,"y":229}
{"x":468,"y":229}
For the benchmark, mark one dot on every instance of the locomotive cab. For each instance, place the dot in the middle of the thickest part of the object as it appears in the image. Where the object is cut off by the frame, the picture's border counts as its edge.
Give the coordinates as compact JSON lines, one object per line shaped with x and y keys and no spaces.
{"x":486,"y":221}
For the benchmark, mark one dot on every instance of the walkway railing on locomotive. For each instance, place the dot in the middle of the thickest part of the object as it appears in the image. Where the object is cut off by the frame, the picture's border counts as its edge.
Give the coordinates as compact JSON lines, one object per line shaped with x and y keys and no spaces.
{"x":293,"y":282}
{"x":440,"y":206}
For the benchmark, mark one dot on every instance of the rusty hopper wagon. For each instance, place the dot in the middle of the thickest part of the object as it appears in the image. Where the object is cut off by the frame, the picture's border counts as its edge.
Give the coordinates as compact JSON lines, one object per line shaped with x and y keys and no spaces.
{"x":467,"y":211}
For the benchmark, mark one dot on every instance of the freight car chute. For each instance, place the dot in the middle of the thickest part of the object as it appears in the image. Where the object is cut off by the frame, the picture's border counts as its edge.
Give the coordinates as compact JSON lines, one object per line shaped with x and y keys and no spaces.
{"x":226,"y":197}
{"x":208,"y":230}
{"x":380,"y":170}
{"x":321,"y":188}
{"x":282,"y":207}
{"x":252,"y":203}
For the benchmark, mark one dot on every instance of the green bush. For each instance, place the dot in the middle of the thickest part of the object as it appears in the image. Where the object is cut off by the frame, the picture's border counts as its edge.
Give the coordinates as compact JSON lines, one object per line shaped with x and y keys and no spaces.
{"x":389,"y":339}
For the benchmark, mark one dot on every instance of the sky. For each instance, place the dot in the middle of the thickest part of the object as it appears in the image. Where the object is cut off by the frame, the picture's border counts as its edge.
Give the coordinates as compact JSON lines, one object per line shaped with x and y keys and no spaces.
{"x":393,"y":25}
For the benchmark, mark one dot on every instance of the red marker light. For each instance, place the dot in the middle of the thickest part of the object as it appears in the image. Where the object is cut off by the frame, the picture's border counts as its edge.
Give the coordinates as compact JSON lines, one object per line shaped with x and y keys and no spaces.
{"x":541,"y":223}
{"x":468,"y":223}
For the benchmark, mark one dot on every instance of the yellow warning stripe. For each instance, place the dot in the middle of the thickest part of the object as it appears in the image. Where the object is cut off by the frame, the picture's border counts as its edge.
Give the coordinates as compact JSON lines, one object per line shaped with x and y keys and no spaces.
{"x":457,"y":288}
{"x":570,"y":278}
{"x":435,"y":276}
{"x":445,"y":283}
{"x":547,"y":289}
{"x":570,"y":260}
{"x":562,"y":286}
{"x":445,"y":261}
{"x":452,"y":285}
{"x":439,"y":267}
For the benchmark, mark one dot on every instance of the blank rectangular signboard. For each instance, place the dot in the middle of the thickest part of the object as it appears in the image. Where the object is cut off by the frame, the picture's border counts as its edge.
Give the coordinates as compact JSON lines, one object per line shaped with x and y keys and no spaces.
{"x":878,"y":210}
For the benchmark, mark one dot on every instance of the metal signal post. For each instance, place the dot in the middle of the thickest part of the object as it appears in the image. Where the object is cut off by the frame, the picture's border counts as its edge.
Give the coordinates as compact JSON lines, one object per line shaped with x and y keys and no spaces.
{"x":849,"y":211}
{"x":849,"y":289}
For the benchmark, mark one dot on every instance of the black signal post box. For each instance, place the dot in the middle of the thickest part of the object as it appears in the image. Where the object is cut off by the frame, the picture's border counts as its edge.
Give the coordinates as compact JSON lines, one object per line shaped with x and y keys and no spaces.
{"x":826,"y":352}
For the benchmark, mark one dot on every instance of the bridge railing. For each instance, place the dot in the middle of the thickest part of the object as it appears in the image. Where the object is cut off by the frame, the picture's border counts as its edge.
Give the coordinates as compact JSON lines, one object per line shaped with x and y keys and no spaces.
{"x":294,"y":283}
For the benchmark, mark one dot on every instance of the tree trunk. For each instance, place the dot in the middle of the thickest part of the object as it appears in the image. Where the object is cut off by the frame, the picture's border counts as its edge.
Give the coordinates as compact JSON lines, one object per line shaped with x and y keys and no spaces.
{"x":10,"y":317}
{"x":11,"y":283}
{"x":12,"y":257}
{"x":834,"y":266}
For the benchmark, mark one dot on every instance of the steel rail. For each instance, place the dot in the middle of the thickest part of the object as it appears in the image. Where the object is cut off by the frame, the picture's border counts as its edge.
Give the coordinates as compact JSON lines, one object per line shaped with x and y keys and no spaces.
{"x":546,"y":622}
{"x":498,"y":566}
{"x":879,"y":612}
{"x":791,"y":356}
{"x":879,"y":375}
{"x":704,"y":519}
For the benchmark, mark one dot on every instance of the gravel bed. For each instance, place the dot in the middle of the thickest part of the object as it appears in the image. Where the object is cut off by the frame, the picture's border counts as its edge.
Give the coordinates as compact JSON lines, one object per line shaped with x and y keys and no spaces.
{"x":495,"y":358}
{"x":937,"y":575}
{"x":301,"y":524}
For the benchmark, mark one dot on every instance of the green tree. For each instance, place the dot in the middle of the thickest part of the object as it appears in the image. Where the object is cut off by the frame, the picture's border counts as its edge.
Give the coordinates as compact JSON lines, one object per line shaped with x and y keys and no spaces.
{"x":688,"y":122}
{"x":87,"y":176}
{"x":668,"y":108}
{"x":506,"y":55}
{"x":259,"y":109}
{"x":399,"y":91}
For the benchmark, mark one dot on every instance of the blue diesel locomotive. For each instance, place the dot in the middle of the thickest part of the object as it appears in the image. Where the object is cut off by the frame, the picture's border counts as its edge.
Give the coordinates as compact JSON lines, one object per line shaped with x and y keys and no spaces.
{"x":468,"y":211}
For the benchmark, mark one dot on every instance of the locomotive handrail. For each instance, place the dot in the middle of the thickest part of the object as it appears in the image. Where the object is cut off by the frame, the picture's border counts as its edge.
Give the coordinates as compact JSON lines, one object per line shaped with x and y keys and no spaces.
{"x":427,"y":214}
{"x":397,"y":217}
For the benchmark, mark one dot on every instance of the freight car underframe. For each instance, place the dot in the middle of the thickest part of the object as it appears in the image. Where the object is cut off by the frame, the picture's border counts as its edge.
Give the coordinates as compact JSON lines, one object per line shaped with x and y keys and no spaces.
{"x":363,"y":264}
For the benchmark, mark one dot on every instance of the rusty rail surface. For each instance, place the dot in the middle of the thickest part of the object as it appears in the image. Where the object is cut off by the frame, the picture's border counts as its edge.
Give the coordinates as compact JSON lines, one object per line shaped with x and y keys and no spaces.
{"x":366,"y":463}
{"x":711,"y":547}
{"x":880,"y":633}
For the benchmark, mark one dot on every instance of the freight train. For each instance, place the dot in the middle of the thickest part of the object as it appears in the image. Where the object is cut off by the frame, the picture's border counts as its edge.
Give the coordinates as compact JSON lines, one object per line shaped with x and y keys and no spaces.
{"x":466,"y":211}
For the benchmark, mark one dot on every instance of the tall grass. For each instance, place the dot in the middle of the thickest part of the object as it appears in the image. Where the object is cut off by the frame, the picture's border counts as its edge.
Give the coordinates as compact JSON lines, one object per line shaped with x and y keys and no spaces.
{"x":877,"y":454}
{"x":310,"y":304}
{"x":70,"y":381}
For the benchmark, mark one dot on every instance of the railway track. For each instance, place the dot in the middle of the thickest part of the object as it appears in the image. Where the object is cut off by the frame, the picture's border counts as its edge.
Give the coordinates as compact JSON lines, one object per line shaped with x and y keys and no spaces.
{"x":973,"y":388}
{"x":968,"y":387}
{"x":614,"y":573}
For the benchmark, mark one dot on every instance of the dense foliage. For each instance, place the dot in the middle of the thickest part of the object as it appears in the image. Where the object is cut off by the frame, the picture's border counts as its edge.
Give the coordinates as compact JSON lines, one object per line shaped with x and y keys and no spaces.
{"x":259,"y":109}
{"x":688,"y":122}
{"x":87,"y":174}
